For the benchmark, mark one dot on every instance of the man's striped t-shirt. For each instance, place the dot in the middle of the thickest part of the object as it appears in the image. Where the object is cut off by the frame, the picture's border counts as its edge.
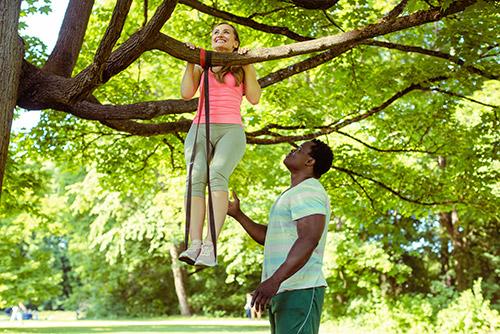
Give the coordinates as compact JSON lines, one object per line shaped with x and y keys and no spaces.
{"x":305,"y":199}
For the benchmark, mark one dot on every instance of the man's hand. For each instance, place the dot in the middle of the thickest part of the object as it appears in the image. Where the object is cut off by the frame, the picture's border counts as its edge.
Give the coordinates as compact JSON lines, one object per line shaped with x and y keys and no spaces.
{"x":233,"y":208}
{"x":263,"y":294}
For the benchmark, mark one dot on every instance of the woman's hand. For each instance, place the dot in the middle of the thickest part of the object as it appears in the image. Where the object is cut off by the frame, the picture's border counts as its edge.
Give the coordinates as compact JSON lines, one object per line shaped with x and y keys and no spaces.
{"x":242,"y":51}
{"x":190,"y":46}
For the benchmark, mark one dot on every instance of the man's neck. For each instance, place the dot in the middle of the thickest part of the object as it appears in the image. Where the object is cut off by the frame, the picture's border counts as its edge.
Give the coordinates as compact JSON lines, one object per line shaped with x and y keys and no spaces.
{"x":298,"y":177}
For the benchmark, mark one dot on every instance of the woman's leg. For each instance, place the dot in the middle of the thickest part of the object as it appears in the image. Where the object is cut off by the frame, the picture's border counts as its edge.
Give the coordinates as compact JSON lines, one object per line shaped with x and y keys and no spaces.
{"x":197,"y":218}
{"x":220,"y":202}
{"x":198,"y":181}
{"x":228,"y":151}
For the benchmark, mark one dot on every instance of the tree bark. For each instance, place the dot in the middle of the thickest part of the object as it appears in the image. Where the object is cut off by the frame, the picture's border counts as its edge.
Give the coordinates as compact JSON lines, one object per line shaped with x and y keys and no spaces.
{"x":63,"y":58}
{"x":179,"y":281}
{"x":460,"y":255}
{"x":11,"y":56}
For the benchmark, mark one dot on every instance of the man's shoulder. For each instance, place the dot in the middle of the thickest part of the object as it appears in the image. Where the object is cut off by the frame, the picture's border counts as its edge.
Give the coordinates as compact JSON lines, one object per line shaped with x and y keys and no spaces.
{"x":312,"y":184}
{"x":306,"y":191}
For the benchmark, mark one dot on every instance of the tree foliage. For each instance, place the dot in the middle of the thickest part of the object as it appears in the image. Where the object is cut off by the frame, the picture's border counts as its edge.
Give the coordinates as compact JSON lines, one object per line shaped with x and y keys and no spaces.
{"x":406,"y":93}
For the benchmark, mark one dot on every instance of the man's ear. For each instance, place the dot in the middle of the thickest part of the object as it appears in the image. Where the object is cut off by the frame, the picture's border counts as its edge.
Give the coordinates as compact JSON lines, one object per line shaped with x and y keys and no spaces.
{"x":310,"y":162}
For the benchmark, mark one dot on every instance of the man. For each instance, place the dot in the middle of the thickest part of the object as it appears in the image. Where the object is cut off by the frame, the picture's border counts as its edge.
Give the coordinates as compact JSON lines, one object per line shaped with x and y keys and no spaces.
{"x":294,"y":240}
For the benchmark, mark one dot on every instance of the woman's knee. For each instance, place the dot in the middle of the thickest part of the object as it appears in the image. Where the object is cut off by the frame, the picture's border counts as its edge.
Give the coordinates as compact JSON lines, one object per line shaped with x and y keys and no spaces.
{"x":218,"y":180}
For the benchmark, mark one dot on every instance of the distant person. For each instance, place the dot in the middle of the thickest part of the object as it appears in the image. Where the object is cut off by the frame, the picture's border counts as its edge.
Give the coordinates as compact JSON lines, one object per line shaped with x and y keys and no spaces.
{"x":294,"y":241}
{"x":248,"y":306}
{"x":18,"y":312}
{"x":255,"y":314}
{"x":15,"y":313}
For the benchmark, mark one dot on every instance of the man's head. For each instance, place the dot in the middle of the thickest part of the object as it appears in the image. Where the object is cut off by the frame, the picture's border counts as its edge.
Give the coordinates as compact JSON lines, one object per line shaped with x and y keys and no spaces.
{"x":314,"y":156}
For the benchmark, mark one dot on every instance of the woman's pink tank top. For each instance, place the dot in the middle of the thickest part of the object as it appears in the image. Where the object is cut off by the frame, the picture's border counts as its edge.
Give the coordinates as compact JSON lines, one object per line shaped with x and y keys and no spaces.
{"x":225,"y":100}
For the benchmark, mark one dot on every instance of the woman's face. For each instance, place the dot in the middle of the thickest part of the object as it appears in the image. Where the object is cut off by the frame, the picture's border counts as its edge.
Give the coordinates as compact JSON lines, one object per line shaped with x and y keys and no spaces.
{"x":224,"y":39}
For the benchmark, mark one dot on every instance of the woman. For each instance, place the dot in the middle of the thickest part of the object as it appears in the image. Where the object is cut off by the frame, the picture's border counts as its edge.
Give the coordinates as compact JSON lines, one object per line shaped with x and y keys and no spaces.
{"x":227,"y":85}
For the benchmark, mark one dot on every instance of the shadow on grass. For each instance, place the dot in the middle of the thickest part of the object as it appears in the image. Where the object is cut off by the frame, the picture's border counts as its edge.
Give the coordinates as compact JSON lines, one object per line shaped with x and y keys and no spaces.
{"x":143,"y":329}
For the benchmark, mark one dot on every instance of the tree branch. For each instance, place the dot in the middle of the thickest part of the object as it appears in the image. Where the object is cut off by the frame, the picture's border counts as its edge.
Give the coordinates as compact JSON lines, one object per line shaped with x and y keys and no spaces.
{"x":146,"y":130}
{"x":142,"y":110}
{"x":332,"y":21}
{"x":178,"y":49}
{"x":160,"y":17}
{"x":270,"y":12}
{"x":315,"y":4}
{"x":89,"y":79}
{"x":372,"y":202}
{"x":146,"y":159}
{"x":412,"y":87}
{"x":393,"y":191}
{"x":243,"y":20}
{"x":172,"y":152}
{"x":139,"y":42}
{"x":385,"y":150}
{"x":149,"y":38}
{"x":438,"y":54}
{"x":335,"y":126}
{"x":396,"y":11}
{"x":63,"y":58}
{"x":460,"y":96}
{"x":134,"y":46}
{"x":304,"y":65}
{"x":93,"y":110}
{"x":145,"y":10}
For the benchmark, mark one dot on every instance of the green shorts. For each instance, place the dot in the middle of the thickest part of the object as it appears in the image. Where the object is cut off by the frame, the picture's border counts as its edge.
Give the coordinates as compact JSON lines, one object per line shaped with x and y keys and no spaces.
{"x":297,"y":311}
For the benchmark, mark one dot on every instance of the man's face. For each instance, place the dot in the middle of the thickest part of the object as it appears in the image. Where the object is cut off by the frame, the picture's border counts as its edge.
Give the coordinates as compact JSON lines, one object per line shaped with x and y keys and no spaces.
{"x":299,"y":157}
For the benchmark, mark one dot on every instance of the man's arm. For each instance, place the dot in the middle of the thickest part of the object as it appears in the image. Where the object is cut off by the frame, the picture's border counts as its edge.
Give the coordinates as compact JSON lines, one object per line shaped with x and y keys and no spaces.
{"x":309,"y":231}
{"x":256,"y":231}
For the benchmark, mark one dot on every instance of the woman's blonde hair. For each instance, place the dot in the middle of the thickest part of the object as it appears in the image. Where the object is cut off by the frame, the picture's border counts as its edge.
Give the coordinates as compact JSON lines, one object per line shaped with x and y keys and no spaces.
{"x":237,"y":71}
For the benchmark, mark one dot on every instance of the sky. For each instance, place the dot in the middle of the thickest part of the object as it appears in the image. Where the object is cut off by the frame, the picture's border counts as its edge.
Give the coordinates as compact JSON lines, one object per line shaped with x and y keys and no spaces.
{"x":46,"y":27}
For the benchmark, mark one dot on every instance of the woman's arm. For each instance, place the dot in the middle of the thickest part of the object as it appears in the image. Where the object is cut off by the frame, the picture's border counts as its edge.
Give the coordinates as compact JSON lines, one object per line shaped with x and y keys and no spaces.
{"x":252,"y":87}
{"x":190,"y":81}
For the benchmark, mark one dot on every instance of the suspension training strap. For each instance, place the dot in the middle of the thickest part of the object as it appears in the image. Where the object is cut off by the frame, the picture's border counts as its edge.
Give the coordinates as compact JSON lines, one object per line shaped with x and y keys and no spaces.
{"x":205,"y":62}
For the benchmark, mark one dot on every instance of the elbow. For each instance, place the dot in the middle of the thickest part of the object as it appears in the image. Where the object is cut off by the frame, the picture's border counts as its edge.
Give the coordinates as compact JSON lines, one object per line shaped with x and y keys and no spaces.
{"x":254,"y":101}
{"x":186,"y":95}
{"x":254,"y":98}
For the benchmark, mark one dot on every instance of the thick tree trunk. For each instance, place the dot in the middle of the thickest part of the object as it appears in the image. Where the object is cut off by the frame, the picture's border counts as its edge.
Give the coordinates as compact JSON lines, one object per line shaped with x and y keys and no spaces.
{"x":179,"y":281}
{"x":11,"y":56}
{"x":460,"y":255}
{"x":444,"y":257}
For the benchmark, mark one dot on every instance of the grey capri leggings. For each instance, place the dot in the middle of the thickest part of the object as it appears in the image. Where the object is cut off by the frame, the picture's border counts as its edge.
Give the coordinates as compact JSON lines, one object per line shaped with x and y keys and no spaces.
{"x":227,"y":146}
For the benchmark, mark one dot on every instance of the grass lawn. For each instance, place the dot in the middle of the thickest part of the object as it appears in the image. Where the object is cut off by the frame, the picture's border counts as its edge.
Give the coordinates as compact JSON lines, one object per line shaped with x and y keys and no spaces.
{"x":170,"y":325}
{"x":55,"y":322}
{"x":137,"y":326}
